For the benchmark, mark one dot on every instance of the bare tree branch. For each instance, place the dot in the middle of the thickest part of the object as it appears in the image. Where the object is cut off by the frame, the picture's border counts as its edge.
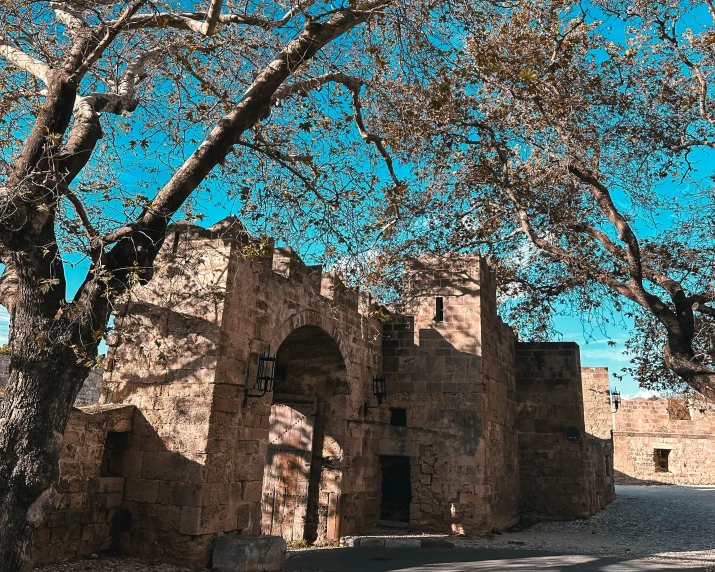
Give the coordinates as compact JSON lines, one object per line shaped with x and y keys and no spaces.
{"x":692,"y":66}
{"x":354,"y":85}
{"x":110,"y":33}
{"x":207,"y":23}
{"x":251,"y":108}
{"x":24,"y":61}
{"x":81,"y":212}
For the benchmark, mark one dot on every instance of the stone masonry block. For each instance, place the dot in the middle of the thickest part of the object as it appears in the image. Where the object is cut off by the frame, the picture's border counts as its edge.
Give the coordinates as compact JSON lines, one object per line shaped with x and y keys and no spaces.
{"x":249,"y":553}
{"x":141,"y":490}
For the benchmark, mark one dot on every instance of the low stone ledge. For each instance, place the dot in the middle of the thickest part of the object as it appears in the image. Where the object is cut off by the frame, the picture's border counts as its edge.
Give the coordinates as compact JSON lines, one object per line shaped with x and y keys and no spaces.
{"x":237,"y":553}
{"x":394,"y":542}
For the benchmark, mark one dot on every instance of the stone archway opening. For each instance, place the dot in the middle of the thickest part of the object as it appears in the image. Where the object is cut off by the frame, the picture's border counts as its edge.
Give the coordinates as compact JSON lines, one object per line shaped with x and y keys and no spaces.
{"x":301,"y":482}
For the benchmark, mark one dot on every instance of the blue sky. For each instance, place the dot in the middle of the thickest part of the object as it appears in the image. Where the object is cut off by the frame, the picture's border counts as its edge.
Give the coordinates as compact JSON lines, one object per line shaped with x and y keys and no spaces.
{"x":593,"y":338}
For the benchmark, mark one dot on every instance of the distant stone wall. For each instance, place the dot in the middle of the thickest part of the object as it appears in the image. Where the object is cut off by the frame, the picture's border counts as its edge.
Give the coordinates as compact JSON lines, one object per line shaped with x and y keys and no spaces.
{"x":89,"y":393}
{"x":643,"y":426}
{"x":597,"y":421}
{"x":557,"y":475}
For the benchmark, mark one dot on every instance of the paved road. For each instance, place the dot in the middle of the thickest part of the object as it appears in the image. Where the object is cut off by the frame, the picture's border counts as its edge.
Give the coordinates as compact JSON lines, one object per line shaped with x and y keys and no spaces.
{"x":670,"y":522}
{"x":465,"y":560}
{"x":646,"y":528}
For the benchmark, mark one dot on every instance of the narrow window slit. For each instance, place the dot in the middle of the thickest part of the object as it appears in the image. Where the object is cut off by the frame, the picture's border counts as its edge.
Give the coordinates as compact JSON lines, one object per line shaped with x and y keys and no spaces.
{"x":439,"y":314}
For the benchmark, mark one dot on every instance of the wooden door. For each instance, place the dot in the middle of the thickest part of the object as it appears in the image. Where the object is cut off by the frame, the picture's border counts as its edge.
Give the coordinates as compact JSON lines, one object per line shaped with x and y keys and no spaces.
{"x":287,"y":473}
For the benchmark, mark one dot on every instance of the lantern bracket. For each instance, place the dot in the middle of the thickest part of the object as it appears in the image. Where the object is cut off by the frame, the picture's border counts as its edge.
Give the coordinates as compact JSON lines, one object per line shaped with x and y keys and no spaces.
{"x":379,"y":390}
{"x":265,"y":376}
{"x":615,"y":399}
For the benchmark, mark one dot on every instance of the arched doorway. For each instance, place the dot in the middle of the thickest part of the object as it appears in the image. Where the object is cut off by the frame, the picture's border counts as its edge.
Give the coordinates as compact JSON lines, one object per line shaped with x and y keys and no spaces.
{"x":303,"y":467}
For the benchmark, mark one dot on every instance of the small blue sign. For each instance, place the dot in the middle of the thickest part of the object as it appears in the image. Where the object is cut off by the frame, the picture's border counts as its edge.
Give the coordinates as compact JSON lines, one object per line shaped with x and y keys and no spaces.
{"x":573,"y":434}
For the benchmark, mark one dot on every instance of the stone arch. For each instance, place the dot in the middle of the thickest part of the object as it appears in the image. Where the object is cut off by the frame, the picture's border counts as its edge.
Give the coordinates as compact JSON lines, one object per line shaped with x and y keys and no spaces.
{"x":305,"y":458}
{"x":311,"y":318}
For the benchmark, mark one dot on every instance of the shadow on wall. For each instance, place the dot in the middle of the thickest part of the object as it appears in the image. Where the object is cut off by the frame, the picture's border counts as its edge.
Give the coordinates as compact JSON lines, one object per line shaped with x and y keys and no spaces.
{"x":458,"y":399}
{"x":121,"y":490}
{"x":146,"y":361}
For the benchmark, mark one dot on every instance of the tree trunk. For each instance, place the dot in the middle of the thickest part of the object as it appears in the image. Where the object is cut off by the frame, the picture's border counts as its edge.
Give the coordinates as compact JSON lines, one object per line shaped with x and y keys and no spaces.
{"x":44,"y":381}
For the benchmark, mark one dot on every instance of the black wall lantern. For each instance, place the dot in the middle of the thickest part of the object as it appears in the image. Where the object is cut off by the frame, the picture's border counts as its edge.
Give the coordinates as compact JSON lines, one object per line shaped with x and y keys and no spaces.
{"x":265,"y":376}
{"x":379,"y":390}
{"x":616,"y":398}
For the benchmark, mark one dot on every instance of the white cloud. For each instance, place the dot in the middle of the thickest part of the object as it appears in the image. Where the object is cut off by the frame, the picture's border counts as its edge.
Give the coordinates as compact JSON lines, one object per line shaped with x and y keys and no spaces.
{"x":605,"y":354}
{"x":646,"y":393}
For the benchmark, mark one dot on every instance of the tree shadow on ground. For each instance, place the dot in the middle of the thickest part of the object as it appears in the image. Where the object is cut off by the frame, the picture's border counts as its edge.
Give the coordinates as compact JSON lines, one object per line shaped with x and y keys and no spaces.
{"x":469,"y":560}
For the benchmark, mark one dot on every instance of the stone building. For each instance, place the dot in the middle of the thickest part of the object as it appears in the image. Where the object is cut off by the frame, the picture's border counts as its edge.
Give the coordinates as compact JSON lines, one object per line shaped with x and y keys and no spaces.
{"x":664,"y":440}
{"x":477,"y":428}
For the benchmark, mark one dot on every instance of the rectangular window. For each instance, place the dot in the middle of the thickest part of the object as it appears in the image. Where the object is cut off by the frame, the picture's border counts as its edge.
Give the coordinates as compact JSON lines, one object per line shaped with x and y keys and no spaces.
{"x":661,"y":460}
{"x":439,"y":309}
{"x":116,"y":444}
{"x":398,"y":417}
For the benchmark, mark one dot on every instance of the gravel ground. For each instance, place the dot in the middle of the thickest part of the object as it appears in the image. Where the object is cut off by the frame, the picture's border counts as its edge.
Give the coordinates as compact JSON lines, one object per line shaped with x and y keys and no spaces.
{"x":668,"y":522}
{"x":112,"y":565}
{"x":665,"y":522}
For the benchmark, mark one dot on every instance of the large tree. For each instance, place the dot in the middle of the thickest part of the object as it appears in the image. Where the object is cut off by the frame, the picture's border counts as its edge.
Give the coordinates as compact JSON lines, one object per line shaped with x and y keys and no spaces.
{"x":571,"y":143}
{"x":120,"y":116}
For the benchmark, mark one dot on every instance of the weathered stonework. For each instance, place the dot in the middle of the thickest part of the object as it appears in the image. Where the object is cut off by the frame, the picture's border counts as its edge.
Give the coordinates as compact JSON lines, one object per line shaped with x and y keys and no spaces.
{"x":559,"y":476}
{"x":644,"y":426}
{"x":472,"y":432}
{"x":85,"y":517}
{"x":644,"y":429}
{"x":455,"y":378}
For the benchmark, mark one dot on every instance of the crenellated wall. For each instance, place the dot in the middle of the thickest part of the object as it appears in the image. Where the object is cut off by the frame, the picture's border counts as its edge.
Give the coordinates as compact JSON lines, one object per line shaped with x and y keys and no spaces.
{"x":182,"y":448}
{"x":184,"y":352}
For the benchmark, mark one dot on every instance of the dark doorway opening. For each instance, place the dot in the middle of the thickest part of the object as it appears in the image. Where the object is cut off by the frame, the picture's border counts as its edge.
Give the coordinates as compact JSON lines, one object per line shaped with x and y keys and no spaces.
{"x":396,"y":489}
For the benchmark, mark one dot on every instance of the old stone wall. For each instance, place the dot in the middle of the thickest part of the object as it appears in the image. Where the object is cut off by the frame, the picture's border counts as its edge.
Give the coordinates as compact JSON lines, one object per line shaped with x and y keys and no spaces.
{"x":163,"y":358}
{"x":644,"y":426}
{"x":435,"y":357}
{"x":500,"y":408}
{"x":597,"y":420}
{"x":556,"y":473}
{"x":88,"y":394}
{"x":85,"y":517}
{"x":597,"y":401}
{"x":185,"y":349}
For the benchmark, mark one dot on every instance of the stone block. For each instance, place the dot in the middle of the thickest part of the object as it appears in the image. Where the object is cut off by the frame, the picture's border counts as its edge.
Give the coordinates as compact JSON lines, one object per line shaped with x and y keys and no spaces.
{"x":207,"y":519}
{"x":402,"y":543}
{"x":186,"y":494}
{"x":249,"y":553}
{"x":142,"y":490}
